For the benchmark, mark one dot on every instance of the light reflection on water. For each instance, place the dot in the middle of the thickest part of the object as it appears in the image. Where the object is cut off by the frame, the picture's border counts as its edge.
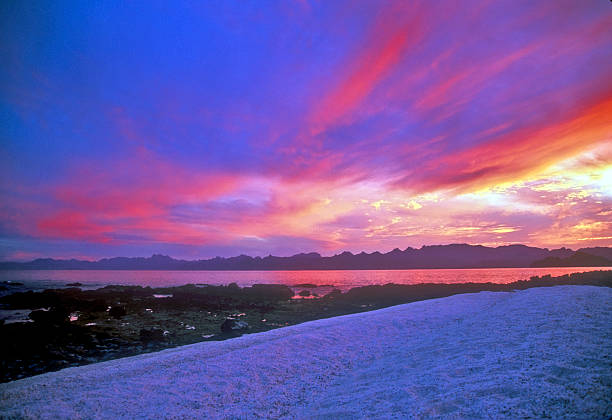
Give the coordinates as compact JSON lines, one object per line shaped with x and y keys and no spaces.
{"x":343,"y":279}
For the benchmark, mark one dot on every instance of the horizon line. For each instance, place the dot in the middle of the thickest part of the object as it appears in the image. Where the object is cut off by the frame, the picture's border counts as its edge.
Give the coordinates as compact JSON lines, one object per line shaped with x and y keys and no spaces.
{"x":86,"y":259}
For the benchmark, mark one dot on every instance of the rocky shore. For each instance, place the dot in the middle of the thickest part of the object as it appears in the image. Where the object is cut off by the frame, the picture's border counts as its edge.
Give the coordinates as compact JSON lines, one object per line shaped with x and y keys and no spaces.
{"x":57,"y":328}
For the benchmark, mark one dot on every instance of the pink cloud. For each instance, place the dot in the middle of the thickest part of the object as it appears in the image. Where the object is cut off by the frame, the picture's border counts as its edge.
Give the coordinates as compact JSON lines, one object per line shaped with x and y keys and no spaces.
{"x":72,"y":225}
{"x":390,"y":37}
{"x":133,"y":196}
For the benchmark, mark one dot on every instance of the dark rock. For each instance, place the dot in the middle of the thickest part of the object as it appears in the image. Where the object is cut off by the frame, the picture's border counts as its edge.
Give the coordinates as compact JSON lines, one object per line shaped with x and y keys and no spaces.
{"x":154,"y":334}
{"x":75,"y":284}
{"x":334,"y":294}
{"x":304,"y":293}
{"x":117,"y":312}
{"x":12,"y":283}
{"x":53,"y":316}
{"x":97,"y":305}
{"x":273,"y":292}
{"x":232,"y":325}
{"x":306,"y":285}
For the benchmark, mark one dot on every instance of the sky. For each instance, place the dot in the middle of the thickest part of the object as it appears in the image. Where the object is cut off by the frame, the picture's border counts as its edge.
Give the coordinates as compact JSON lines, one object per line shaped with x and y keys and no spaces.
{"x":202,"y":129}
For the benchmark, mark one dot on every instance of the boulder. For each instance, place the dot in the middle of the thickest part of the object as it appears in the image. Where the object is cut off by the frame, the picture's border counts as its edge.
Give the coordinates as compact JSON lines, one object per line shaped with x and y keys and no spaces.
{"x":336,"y":293}
{"x":233,"y":325}
{"x":54,"y":316}
{"x":117,"y":312}
{"x":154,"y":334}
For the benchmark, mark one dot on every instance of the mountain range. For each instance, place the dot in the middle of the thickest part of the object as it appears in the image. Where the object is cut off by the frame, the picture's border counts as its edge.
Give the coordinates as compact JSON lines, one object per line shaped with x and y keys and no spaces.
{"x":434,"y":256}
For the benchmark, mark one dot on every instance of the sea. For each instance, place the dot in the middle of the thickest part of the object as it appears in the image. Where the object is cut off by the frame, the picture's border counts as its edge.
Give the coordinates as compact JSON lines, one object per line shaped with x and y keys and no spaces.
{"x":20,"y":280}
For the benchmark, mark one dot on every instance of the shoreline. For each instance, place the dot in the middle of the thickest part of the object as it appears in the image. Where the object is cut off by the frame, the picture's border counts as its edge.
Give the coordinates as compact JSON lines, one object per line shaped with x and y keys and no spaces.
{"x":73,"y":327}
{"x":537,"y":353}
{"x":494,"y":267}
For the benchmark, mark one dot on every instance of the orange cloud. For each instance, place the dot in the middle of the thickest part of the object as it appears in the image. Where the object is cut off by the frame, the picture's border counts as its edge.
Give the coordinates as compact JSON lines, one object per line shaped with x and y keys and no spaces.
{"x":516,"y":155}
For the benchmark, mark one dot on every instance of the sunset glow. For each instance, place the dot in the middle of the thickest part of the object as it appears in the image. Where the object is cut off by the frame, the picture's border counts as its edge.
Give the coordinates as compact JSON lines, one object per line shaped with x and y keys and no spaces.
{"x":284,"y":127}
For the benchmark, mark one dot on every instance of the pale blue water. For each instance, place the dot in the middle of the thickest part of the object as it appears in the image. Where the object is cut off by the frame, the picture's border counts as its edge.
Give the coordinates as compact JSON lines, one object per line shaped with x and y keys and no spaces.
{"x":343,"y":279}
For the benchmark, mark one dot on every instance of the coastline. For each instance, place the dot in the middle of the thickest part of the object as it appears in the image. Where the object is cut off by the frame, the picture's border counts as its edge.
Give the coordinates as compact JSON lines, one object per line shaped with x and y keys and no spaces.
{"x":542,"y":352}
{"x":77,"y":327}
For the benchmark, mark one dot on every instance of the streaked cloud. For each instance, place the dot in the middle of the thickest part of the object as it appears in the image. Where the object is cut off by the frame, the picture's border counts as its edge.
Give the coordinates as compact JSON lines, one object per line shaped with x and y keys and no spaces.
{"x":324,"y":126}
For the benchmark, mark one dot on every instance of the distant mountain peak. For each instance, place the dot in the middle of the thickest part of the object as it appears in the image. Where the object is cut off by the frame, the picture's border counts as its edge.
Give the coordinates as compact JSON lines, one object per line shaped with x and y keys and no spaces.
{"x":428,"y":256}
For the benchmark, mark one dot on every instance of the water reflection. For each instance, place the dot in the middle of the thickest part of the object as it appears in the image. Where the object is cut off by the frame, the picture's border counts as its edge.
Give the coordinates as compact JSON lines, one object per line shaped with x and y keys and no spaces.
{"x":342,"y":279}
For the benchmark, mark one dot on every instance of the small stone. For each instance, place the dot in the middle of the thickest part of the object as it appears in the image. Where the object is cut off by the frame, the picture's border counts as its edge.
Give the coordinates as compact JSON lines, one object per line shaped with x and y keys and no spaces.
{"x":232,"y":325}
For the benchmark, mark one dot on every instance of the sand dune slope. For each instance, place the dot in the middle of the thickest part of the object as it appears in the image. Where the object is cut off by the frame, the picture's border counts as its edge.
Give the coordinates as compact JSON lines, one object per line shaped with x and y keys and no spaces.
{"x":544,"y":352}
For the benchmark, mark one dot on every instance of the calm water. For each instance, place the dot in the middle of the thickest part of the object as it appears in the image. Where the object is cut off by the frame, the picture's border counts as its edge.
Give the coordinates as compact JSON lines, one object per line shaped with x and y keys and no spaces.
{"x":343,"y":279}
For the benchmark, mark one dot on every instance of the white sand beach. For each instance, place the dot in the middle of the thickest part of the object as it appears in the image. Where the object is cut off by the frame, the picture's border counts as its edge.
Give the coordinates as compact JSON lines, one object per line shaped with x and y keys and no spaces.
{"x":542,"y":352}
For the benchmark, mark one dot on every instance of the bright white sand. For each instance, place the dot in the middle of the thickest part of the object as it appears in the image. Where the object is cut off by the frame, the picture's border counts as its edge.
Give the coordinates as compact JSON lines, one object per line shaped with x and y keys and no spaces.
{"x":544,"y":352}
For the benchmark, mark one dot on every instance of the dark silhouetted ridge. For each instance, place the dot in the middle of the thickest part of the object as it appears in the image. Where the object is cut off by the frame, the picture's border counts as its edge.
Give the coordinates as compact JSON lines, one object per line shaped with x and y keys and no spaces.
{"x":435,"y":256}
{"x":578,"y":259}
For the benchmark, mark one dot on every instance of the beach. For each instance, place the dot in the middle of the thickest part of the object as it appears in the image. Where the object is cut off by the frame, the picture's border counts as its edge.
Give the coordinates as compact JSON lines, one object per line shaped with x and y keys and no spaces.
{"x":541,"y":352}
